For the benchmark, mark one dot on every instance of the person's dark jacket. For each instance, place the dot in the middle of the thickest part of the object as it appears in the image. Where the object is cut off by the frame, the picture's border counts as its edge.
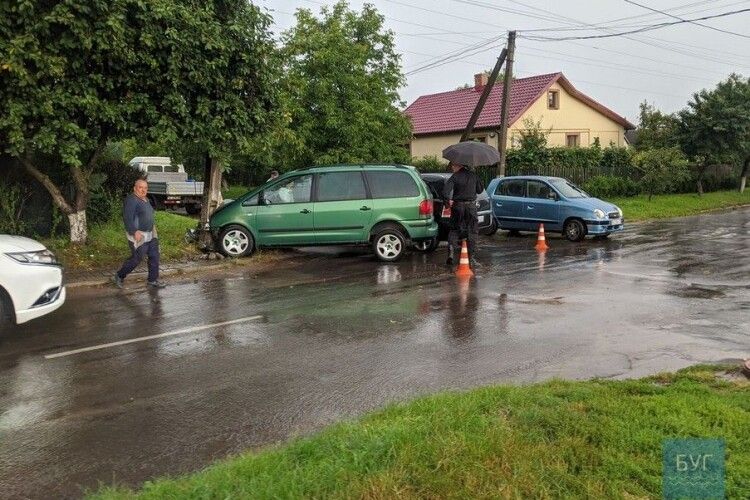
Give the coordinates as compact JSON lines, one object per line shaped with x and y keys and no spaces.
{"x":463,"y":185}
{"x":137,"y":214}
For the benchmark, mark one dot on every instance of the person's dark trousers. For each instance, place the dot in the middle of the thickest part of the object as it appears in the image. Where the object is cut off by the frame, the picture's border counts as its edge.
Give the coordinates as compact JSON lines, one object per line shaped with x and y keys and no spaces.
{"x":150,"y":249}
{"x":463,"y":219}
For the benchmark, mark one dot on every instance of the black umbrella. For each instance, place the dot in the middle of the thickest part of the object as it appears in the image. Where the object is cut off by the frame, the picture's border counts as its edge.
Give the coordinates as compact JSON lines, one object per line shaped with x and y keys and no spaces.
{"x":471,"y":154}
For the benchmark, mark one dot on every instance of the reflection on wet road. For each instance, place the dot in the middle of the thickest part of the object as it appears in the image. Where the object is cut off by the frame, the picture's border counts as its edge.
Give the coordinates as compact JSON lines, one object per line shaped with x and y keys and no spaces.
{"x":334,"y":334}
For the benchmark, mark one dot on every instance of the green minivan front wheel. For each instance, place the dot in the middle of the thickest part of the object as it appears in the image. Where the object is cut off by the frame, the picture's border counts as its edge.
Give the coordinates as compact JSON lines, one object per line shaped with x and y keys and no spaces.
{"x":388,"y":243}
{"x":236,"y":241}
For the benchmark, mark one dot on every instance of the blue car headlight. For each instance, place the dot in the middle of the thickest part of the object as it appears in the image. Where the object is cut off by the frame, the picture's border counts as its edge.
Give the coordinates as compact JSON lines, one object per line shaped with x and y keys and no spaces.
{"x":599,"y":214}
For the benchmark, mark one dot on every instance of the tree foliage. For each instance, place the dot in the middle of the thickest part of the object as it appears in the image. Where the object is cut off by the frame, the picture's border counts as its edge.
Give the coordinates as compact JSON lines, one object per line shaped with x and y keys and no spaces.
{"x":656,"y":129}
{"x":715,"y":126}
{"x":662,"y":170}
{"x":76,"y":75}
{"x":341,"y":81}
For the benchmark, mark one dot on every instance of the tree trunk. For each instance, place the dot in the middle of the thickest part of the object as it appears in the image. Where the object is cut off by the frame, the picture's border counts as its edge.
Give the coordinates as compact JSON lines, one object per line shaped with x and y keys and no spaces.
{"x":57,"y":197}
{"x":743,"y":175}
{"x":76,"y":211}
{"x":211,"y":196}
{"x":78,"y":227}
{"x":699,"y":181}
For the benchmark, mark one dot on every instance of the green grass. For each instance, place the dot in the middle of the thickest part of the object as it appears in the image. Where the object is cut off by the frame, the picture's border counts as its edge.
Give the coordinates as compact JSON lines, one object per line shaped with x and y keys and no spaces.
{"x":107,"y":244}
{"x":234,"y":192}
{"x":677,"y":205}
{"x":590,"y":439}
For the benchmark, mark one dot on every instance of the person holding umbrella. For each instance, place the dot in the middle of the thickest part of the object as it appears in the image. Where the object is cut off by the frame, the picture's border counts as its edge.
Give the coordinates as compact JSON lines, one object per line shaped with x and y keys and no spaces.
{"x":460,"y":194}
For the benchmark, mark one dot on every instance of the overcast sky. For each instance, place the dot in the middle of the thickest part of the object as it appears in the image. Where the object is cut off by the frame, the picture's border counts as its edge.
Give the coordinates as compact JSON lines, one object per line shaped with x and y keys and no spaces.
{"x":664,"y":66}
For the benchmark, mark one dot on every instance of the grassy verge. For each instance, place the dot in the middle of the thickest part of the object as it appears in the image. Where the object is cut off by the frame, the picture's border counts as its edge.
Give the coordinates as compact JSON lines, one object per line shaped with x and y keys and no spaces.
{"x":107,"y":245}
{"x":677,"y":205}
{"x":591,"y":439}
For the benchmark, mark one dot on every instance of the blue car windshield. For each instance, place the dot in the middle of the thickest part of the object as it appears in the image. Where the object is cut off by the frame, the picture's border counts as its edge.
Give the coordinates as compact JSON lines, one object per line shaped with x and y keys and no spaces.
{"x":569,"y":190}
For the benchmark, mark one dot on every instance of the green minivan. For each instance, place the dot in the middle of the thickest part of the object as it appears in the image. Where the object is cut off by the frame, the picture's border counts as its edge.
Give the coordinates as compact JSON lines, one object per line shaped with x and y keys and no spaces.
{"x":386,"y":206}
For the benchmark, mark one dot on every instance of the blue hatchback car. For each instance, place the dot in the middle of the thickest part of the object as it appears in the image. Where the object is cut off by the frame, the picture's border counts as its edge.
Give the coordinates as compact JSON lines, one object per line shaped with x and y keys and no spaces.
{"x":521,"y":203}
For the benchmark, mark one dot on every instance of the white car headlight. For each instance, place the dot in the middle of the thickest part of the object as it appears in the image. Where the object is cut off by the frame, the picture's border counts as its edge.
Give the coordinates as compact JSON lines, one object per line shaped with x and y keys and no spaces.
{"x":599,"y":214}
{"x":619,"y":211}
{"x":39,"y":257}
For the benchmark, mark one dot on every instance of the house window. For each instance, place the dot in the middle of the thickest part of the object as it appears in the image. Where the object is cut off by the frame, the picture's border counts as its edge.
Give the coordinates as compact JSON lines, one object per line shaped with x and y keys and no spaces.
{"x":573,"y":140}
{"x":553,"y":99}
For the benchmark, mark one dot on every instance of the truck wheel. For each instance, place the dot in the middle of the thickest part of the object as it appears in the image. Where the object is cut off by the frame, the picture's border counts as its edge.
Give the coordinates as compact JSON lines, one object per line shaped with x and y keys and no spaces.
{"x":193,"y":208}
{"x":156,"y":203}
{"x":236,"y":241}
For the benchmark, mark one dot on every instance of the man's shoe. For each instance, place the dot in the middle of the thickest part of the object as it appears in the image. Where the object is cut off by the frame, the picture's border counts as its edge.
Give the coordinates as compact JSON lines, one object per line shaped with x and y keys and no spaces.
{"x":117,"y":281}
{"x":156,"y":284}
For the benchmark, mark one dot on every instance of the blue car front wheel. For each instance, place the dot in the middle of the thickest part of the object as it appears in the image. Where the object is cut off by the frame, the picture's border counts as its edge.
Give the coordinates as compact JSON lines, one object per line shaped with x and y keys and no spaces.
{"x":574,"y":230}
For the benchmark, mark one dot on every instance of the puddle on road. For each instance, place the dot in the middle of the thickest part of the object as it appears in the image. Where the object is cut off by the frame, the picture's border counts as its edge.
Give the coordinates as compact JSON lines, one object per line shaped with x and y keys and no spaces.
{"x":503,"y":297}
{"x":697,"y":292}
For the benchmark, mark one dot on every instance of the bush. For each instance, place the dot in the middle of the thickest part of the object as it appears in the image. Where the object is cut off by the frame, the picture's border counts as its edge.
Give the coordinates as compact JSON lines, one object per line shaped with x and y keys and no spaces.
{"x":663,"y":170}
{"x":608,"y":186}
{"x":429,"y":164}
{"x":111,"y":181}
{"x":12,"y":203}
{"x":616,"y":161}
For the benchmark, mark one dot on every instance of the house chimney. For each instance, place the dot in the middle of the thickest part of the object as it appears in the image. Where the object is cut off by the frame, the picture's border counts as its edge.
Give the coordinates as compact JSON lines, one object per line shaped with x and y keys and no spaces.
{"x":480,"y":80}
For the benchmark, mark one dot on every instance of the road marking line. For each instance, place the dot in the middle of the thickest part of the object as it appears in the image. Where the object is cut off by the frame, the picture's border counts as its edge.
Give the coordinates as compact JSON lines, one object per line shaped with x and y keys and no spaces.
{"x":150,"y":337}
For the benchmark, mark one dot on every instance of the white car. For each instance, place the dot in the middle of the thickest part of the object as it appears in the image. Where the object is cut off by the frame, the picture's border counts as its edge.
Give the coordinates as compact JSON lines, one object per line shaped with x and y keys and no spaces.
{"x":31,"y":280}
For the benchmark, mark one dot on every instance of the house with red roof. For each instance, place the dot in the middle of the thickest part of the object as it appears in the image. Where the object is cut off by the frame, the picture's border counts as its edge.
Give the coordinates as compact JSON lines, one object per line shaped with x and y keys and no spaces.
{"x":572,"y":118}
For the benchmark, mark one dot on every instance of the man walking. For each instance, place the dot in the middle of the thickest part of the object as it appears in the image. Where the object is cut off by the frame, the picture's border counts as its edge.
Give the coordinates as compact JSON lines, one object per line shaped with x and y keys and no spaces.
{"x":460,"y":193}
{"x":138,"y":216}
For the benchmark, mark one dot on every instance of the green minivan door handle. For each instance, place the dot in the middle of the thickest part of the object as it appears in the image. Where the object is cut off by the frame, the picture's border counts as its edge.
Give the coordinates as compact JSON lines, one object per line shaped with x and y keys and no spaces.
{"x":305,"y":211}
{"x":365,"y":208}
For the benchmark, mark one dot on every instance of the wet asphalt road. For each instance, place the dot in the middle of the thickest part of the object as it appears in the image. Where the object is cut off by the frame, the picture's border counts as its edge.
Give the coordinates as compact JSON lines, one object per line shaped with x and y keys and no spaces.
{"x":332,"y":334}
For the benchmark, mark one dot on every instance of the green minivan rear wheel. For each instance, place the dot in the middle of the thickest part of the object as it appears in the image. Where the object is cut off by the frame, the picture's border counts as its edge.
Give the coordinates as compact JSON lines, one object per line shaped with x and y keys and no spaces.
{"x":389,"y":243}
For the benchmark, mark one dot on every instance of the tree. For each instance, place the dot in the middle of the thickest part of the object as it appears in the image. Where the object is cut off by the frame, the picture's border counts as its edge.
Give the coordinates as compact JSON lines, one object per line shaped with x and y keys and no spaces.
{"x":715,"y":127}
{"x":662,"y":169}
{"x":340,"y":86}
{"x":656,"y":129}
{"x":76,"y":75}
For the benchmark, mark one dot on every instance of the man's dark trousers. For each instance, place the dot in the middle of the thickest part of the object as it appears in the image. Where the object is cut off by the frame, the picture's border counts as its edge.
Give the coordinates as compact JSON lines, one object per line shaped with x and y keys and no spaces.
{"x":463,"y":218}
{"x":149,"y":249}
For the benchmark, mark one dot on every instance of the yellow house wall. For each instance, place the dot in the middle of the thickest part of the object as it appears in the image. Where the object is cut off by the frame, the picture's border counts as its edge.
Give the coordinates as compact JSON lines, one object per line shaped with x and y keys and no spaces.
{"x":572,"y":117}
{"x":433,"y":145}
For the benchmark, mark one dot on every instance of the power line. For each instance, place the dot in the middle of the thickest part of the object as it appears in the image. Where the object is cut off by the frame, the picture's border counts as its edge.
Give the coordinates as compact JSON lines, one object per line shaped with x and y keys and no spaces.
{"x":655,"y":42}
{"x":640,"y":30}
{"x":681,"y":19}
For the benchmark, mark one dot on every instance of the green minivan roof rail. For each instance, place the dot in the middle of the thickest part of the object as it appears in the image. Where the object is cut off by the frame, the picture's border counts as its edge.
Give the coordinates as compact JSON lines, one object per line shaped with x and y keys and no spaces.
{"x":354,"y":165}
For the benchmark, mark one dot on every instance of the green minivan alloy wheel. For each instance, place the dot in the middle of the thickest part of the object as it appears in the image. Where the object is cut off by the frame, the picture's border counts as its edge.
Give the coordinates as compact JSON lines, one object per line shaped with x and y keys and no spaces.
{"x":236,"y":241}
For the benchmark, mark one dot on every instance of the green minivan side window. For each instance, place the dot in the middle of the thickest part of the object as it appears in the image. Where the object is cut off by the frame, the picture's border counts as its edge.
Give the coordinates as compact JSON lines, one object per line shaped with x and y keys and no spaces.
{"x":340,"y":186}
{"x":387,"y":184}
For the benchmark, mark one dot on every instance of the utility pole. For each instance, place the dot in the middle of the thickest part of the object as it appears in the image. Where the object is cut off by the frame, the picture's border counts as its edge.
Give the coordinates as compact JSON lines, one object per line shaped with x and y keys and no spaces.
{"x":483,"y":98}
{"x":503,"y":141}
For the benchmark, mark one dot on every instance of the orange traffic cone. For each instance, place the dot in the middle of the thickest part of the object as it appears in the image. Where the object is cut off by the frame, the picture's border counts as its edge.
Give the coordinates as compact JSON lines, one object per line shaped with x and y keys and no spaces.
{"x":464,"y":269}
{"x":541,"y":241}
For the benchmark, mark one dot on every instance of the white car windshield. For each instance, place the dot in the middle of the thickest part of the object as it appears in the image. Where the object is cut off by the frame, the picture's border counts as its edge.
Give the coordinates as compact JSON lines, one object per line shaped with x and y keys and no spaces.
{"x":569,"y":190}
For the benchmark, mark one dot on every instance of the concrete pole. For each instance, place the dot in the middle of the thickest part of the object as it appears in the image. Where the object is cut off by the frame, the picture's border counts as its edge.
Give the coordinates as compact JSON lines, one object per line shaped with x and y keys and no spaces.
{"x":506,"y":102}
